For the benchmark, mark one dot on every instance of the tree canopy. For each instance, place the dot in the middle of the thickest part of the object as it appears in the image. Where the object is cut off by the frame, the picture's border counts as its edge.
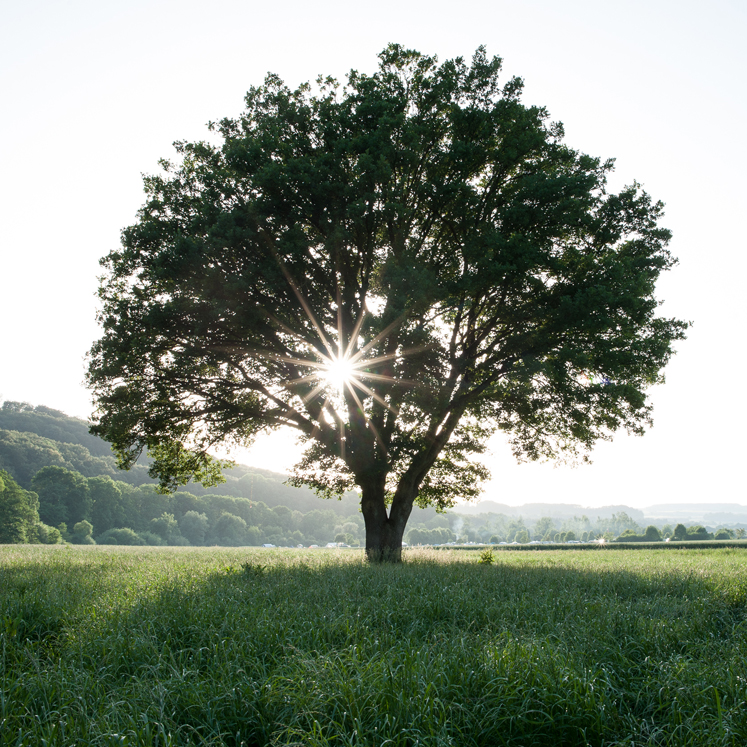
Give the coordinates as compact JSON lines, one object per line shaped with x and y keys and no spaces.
{"x":395,"y":268}
{"x":18,"y":511}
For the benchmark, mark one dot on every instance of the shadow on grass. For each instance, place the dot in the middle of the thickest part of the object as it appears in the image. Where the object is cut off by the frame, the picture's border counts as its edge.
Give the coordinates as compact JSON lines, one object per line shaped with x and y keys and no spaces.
{"x":547,"y":650}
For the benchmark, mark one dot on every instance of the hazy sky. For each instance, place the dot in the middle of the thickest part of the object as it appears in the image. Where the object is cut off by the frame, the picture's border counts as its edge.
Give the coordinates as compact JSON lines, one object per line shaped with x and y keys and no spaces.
{"x":94,"y":93}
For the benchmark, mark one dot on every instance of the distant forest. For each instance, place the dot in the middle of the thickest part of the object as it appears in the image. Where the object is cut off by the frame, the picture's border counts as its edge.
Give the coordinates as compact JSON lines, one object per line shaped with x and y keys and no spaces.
{"x":72,"y":481}
{"x":60,"y":483}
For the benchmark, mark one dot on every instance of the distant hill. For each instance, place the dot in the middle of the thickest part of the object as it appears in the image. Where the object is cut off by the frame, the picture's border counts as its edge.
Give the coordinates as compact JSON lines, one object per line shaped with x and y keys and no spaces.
{"x":532,"y":511}
{"x":24,"y":453}
{"x":51,"y":424}
{"x":711,"y":513}
{"x":35,"y":437}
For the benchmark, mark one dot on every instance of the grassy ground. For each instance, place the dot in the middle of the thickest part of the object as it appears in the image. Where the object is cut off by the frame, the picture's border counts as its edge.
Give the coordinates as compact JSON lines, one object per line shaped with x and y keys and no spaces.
{"x":172,"y":646}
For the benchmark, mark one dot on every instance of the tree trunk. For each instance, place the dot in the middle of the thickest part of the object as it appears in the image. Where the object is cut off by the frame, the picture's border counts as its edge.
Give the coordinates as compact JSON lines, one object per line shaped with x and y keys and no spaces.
{"x":383,"y":531}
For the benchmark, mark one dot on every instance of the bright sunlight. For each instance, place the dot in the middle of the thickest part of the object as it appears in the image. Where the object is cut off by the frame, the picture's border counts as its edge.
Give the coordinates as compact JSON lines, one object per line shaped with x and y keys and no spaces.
{"x":338,"y":372}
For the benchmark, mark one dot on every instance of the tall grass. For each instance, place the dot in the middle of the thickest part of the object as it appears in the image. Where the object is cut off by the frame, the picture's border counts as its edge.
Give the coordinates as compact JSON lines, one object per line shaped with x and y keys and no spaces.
{"x":156,"y":646}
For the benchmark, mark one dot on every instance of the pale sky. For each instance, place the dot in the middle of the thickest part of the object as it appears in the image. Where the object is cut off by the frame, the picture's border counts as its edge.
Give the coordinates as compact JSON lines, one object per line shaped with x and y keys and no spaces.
{"x":93,"y":94}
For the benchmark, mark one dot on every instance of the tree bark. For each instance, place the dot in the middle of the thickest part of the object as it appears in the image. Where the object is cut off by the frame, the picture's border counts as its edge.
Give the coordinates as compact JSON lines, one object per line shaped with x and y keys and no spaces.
{"x":384,"y":531}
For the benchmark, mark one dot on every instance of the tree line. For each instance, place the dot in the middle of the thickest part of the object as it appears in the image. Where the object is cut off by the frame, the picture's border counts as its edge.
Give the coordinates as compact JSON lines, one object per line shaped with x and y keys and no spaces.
{"x":65,"y":506}
{"x":69,"y":490}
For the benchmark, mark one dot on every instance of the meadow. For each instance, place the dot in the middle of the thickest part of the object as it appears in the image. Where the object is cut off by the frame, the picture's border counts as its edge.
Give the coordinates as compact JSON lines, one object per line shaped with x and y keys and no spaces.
{"x":220,"y":646}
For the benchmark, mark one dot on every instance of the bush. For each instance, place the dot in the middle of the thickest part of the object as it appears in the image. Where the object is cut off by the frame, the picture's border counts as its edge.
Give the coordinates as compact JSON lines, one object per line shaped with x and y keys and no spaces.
{"x":723,"y":534}
{"x":629,"y":535}
{"x":486,"y":557}
{"x":82,"y":532}
{"x":43,"y":534}
{"x":150,"y":538}
{"x":123,"y":536}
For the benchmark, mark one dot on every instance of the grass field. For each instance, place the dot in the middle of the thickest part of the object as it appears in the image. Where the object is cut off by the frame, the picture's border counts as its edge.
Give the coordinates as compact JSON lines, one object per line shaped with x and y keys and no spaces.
{"x":173,"y":646}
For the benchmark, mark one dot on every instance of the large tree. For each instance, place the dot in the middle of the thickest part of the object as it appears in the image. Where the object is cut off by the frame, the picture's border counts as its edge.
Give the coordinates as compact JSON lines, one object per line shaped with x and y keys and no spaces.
{"x":394,"y":268}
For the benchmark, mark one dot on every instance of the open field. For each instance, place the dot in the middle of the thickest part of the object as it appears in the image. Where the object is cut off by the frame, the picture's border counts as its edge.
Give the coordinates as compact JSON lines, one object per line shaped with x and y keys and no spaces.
{"x":171,"y":646}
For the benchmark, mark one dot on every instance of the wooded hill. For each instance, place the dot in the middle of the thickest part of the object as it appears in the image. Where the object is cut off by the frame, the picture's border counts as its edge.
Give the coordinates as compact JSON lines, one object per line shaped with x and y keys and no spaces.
{"x":36,"y":437}
{"x":76,"y":480}
{"x":72,"y":479}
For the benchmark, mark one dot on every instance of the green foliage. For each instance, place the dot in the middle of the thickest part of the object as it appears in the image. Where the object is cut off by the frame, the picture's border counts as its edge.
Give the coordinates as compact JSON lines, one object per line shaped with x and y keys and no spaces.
{"x":544,"y":525}
{"x":723,"y":534}
{"x":698,"y":532}
{"x":231,"y":530}
{"x":24,"y":454}
{"x":63,"y":495}
{"x":629,"y":535}
{"x":617,"y":524}
{"x":680,"y":532}
{"x":52,"y":425}
{"x":194,"y":526}
{"x":486,"y":557}
{"x":124,"y":536}
{"x":18,"y":511}
{"x":421,"y":535}
{"x":43,"y":534}
{"x":82,"y":532}
{"x":652,"y":534}
{"x":166,"y":527}
{"x":149,"y":538}
{"x":422,"y":219}
{"x":218,"y":647}
{"x":107,"y":505}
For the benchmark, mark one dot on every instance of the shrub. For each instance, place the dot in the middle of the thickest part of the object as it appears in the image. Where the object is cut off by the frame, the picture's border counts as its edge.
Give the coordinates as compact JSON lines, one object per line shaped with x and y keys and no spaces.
{"x":124,"y":536}
{"x":150,"y":538}
{"x":82,"y":532}
{"x":43,"y":534}
{"x":629,"y":535}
